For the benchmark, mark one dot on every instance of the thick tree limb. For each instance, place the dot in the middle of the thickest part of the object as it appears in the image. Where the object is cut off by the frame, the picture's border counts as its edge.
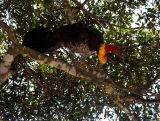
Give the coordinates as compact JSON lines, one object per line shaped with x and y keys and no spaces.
{"x":72,"y":70}
{"x":43,"y":59}
{"x":6,"y":64}
{"x":5,"y":67}
{"x":8,"y":58}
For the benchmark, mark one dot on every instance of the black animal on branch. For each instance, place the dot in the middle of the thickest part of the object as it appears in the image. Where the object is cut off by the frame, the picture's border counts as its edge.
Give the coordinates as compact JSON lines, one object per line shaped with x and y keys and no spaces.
{"x":78,"y":38}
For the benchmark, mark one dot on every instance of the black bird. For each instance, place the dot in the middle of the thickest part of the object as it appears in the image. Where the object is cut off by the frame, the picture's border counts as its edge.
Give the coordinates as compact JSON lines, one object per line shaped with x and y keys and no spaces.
{"x":78,"y":38}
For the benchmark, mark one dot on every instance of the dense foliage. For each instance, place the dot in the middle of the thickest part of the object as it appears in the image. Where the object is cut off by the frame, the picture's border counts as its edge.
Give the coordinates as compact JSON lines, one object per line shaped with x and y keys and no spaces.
{"x":38,"y":92}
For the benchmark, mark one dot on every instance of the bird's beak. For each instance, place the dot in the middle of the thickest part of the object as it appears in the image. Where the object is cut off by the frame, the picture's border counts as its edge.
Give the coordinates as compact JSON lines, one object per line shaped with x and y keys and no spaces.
{"x":102,"y":54}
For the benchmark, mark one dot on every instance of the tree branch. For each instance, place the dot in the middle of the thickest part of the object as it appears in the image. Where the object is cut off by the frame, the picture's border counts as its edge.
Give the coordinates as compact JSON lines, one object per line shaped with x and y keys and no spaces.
{"x":69,"y":15}
{"x":44,"y":59}
{"x":96,"y":18}
{"x":5,"y":65}
{"x":8,"y":58}
{"x":10,"y":32}
{"x":126,"y":110}
{"x":72,"y":70}
{"x":157,"y":77}
{"x":132,"y":98}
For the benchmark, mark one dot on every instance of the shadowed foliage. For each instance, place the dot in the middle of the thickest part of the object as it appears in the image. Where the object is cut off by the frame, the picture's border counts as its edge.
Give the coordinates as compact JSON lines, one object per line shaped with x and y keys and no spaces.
{"x":38,"y":92}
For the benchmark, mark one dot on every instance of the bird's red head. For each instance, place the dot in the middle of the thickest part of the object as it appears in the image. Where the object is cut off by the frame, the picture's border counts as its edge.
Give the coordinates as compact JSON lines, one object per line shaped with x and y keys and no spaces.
{"x":105,"y":49}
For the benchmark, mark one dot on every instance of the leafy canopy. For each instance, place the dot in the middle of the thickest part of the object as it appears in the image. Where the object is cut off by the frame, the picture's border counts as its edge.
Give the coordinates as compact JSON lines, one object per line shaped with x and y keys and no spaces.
{"x":38,"y":92}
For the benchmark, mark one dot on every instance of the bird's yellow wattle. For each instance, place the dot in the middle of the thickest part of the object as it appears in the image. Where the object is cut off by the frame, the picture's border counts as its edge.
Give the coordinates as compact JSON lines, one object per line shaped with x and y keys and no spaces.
{"x":102,"y":55}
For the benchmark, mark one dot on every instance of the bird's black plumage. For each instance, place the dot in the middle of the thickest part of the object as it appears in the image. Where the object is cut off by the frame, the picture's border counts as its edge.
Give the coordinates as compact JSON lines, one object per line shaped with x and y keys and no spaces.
{"x":77,"y":37}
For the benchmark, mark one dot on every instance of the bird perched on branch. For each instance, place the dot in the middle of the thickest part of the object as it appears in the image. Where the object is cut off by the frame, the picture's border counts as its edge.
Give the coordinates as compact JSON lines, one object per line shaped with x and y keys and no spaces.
{"x":78,"y":38}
